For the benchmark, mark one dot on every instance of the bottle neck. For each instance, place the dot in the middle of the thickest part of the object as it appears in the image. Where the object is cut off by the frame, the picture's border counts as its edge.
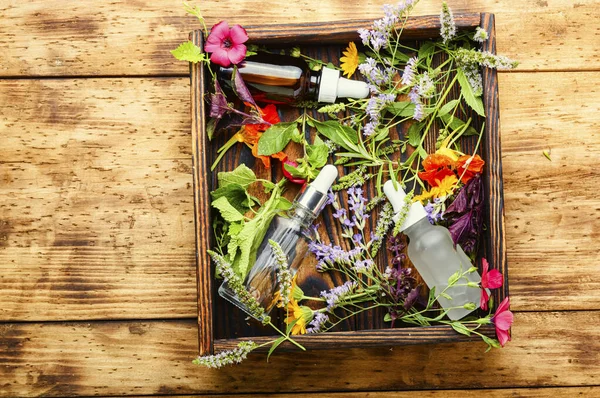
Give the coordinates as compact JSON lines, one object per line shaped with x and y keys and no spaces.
{"x":301,"y":214}
{"x":418,"y":228}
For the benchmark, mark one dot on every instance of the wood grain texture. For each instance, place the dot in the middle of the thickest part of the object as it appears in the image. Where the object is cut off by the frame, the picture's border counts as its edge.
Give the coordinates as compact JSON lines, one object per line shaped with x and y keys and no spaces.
{"x":552,"y":207}
{"x":66,"y":38}
{"x":139,"y":358}
{"x":492,"y":393}
{"x":96,"y":212}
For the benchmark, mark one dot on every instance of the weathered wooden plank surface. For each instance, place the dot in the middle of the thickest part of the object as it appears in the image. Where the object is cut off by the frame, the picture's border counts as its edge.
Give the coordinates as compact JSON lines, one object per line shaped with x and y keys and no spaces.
{"x":86,"y":218}
{"x":68,"y":38}
{"x":492,"y":393}
{"x":96,"y":205}
{"x":552,"y":207}
{"x":139,"y":358}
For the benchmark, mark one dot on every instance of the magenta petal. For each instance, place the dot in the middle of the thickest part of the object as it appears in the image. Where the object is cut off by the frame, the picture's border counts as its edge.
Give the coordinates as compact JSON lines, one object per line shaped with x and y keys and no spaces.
{"x":503,"y":336}
{"x":503,"y":305}
{"x":504,"y":320}
{"x":483,"y":302}
{"x":494,"y":279}
{"x":218,"y":32}
{"x":238,"y":34}
{"x":212,"y":47}
{"x":220,"y":57}
{"x":237,"y":53}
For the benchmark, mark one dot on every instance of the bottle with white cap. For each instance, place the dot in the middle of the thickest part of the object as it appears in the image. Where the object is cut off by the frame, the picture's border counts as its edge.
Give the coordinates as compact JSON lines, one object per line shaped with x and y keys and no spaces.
{"x":433,"y":253}
{"x":293,"y":234}
{"x":284,"y":79}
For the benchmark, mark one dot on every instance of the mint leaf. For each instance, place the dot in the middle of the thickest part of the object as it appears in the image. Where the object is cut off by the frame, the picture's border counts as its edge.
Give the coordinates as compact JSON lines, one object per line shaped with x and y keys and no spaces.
{"x":189,"y":52}
{"x":317,"y":153}
{"x":228,"y":212}
{"x":276,"y":138}
{"x":468,"y":94}
{"x":242,"y":175}
{"x":343,"y":136}
{"x":236,"y":195}
{"x":401,"y":108}
{"x":455,"y":123}
{"x":414,"y":134}
{"x":450,"y":105}
{"x":426,"y":50}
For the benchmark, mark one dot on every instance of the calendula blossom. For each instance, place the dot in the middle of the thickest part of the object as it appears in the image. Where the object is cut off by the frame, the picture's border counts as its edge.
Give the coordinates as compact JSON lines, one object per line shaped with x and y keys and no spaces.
{"x":349,"y":62}
{"x":299,"y":315}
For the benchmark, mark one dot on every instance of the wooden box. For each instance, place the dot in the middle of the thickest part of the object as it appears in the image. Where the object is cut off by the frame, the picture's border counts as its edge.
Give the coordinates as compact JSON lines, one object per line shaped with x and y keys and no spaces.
{"x":220,"y":325}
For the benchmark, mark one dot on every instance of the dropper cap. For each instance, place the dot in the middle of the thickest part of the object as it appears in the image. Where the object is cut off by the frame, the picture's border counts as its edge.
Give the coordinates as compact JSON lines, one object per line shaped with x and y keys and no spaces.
{"x":333,"y":86}
{"x":396,"y":198}
{"x":314,"y":195}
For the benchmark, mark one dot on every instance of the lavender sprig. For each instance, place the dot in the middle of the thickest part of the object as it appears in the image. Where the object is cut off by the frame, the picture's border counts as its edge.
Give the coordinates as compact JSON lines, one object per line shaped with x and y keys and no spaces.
{"x":337,"y":294}
{"x":236,"y":284}
{"x":229,"y":357}
{"x":318,"y":323}
{"x":384,"y":223}
{"x":284,"y":276}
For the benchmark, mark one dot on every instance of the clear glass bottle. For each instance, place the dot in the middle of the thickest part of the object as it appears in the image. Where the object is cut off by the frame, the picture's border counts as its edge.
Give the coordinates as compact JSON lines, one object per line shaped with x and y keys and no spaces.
{"x":292,"y":232}
{"x":289,"y":80}
{"x":433,"y":253}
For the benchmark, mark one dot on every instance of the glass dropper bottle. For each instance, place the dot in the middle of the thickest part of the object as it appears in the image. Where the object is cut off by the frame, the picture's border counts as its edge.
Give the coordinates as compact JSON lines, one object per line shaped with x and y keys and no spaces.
{"x":434,"y":255}
{"x":291,"y":231}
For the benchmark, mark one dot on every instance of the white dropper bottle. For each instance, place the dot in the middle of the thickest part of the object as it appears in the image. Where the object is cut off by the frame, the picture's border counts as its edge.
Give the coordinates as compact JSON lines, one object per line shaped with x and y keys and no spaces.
{"x":433,"y":253}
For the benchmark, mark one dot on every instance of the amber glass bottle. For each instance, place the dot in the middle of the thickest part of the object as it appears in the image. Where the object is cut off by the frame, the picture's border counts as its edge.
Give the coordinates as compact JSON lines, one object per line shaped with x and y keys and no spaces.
{"x":284,"y":79}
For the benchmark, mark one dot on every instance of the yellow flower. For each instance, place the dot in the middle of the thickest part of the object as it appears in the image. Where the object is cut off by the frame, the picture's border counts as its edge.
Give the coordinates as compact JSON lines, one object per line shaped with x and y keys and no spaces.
{"x":349,"y":62}
{"x":443,"y":188}
{"x":299,"y":315}
{"x":444,"y":150}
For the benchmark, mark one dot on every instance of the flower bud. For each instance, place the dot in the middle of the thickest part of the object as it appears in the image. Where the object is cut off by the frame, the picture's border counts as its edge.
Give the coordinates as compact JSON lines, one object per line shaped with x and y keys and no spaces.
{"x":469,"y":306}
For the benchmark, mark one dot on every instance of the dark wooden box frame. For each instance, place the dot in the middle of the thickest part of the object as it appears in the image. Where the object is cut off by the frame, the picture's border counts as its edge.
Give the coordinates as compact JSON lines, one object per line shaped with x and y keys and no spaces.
{"x":340,"y":33}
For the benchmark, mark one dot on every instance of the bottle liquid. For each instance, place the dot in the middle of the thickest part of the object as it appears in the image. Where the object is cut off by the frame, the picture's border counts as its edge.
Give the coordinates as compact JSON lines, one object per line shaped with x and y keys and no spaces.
{"x":289,"y":80}
{"x":293,"y":234}
{"x":432,"y":251}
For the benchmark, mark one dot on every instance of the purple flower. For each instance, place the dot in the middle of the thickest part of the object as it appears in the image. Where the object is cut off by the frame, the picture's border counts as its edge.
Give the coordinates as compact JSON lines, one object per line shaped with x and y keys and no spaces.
{"x":408,"y":77}
{"x":369,"y":129}
{"x":418,"y":115}
{"x":330,"y":197}
{"x":340,"y":213}
{"x":318,"y":322}
{"x":364,"y":36}
{"x":337,"y":294}
{"x":363,"y":265}
{"x":357,"y":238}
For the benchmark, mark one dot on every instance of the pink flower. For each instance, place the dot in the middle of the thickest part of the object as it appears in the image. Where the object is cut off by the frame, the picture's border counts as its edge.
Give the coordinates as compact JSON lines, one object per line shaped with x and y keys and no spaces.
{"x":503,"y":319}
{"x":489,"y":280}
{"x":226,"y":44}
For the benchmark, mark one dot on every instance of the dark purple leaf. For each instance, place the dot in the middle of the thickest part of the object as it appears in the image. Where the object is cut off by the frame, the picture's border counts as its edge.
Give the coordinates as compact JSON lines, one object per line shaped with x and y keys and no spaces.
{"x":412,"y":298}
{"x":242,"y":90}
{"x":218,"y":102}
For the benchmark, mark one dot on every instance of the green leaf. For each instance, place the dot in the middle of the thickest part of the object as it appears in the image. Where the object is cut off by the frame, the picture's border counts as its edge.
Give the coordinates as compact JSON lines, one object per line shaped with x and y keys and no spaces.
{"x":276,"y":138}
{"x":317,"y":153}
{"x":274,"y":346}
{"x":401,"y":108}
{"x":343,"y":136}
{"x":422,"y":152}
{"x":454,"y":278}
{"x":236,"y":195}
{"x":431,"y":298}
{"x":426,"y":50}
{"x":468,"y":94}
{"x":228,"y":212}
{"x":283,"y":204}
{"x":455,"y":123}
{"x":547,"y":154}
{"x":242,"y":175}
{"x":450,"y":105}
{"x":294,"y":171}
{"x":189,"y":52}
{"x":446,"y":296}
{"x":491,"y":342}
{"x":387,"y":318}
{"x":414,"y":134}
{"x":460,"y":328}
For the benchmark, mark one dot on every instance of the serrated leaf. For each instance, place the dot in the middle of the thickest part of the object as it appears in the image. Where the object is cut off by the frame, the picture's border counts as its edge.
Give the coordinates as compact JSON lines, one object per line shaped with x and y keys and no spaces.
{"x":242,"y":175}
{"x":227,"y":211}
{"x":468,"y":94}
{"x":276,"y":138}
{"x":235,"y":194}
{"x":460,"y":328}
{"x":317,"y":153}
{"x":343,"y":136}
{"x":189,"y":52}
{"x":414,"y":134}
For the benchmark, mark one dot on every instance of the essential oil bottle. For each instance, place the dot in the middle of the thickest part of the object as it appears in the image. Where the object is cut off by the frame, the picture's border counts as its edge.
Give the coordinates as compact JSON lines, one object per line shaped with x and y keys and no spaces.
{"x":293,"y":234}
{"x":284,"y":79}
{"x":432,"y":252}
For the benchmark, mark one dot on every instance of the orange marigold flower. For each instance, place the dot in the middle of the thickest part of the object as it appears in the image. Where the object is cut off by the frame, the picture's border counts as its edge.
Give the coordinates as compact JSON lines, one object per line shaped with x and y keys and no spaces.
{"x":437,"y":167}
{"x":469,"y":165}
